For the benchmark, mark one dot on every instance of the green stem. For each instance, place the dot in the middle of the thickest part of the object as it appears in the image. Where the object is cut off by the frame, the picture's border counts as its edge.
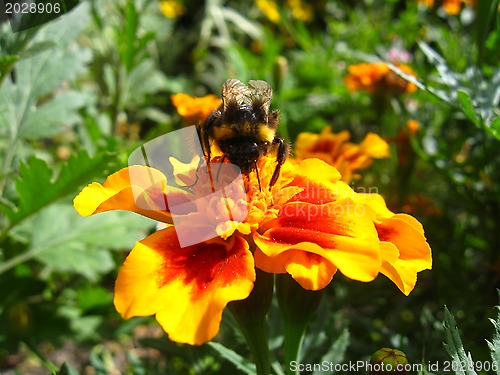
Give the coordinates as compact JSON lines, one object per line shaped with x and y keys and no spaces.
{"x":256,"y":338}
{"x":117,"y":98}
{"x":297,"y":305}
{"x":294,"y":333}
{"x":251,"y":315}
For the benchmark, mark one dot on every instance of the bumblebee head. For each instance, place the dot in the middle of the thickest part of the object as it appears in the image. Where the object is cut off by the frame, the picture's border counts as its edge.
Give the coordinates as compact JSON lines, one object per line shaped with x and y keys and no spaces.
{"x":244,"y":151}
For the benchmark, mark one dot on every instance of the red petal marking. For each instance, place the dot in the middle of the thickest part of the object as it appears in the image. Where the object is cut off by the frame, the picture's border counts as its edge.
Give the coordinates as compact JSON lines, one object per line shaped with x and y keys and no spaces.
{"x":321,"y":218}
{"x":385,"y":233}
{"x":290,"y":235}
{"x":315,"y":194}
{"x":199,"y":265}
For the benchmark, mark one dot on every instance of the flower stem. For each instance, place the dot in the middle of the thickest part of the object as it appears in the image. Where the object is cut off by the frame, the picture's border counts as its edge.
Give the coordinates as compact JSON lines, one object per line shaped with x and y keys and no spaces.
{"x":293,"y":334}
{"x":297,"y":305}
{"x":251,"y":314}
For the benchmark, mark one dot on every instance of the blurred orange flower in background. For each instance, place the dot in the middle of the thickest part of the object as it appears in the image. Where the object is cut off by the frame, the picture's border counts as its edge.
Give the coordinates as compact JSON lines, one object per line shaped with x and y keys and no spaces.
{"x":452,"y":7}
{"x":194,"y":109}
{"x":378,"y":78}
{"x":334,"y":149}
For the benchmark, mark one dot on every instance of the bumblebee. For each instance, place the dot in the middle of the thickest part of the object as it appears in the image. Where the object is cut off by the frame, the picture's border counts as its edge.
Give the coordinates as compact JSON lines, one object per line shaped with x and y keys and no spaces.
{"x":243,"y":128}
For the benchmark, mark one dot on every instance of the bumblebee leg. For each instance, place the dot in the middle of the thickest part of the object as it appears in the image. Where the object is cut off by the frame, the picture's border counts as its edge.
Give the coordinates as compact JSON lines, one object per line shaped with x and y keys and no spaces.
{"x":205,"y":145}
{"x":220,"y":167}
{"x":283,"y":151}
{"x":257,"y":173}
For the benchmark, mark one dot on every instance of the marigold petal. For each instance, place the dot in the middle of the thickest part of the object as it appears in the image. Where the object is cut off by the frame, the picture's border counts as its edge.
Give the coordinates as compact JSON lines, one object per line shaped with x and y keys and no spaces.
{"x":316,"y":170}
{"x":333,"y":231}
{"x":304,"y":264}
{"x":399,"y":272}
{"x":389,"y":252}
{"x":406,"y":233}
{"x":145,"y":196}
{"x":316,"y":189}
{"x":376,"y":202}
{"x":307,"y":267}
{"x":187,"y":288}
{"x":324,"y":193}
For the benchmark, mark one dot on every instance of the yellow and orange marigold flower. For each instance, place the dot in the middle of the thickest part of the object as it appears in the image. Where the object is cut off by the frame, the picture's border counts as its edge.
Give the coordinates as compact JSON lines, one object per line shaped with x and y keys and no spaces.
{"x":334,"y":149}
{"x":194,"y":109}
{"x":310,"y":224}
{"x":378,"y":78}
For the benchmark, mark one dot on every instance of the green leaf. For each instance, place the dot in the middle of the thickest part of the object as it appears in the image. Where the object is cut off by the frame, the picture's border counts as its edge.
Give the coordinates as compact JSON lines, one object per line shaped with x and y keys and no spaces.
{"x":494,"y":345}
{"x":40,"y":75}
{"x":102,"y":360}
{"x":462,"y":362}
{"x":128,"y":51}
{"x":495,"y":127}
{"x":485,"y":13}
{"x":336,"y":353}
{"x":467,"y":106}
{"x":37,"y":187}
{"x":52,"y":117}
{"x":67,"y":242}
{"x":233,"y":357}
{"x":67,"y":369}
{"x":37,"y":48}
{"x":143,"y":80}
{"x":434,"y":58}
{"x":7,"y":60}
{"x":92,"y":297}
{"x":406,"y":76}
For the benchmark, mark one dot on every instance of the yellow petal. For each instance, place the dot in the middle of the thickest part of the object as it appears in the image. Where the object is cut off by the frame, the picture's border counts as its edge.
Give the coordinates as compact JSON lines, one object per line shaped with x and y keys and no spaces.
{"x":318,"y":171}
{"x":376,"y":202}
{"x":187,"y":288}
{"x":402,"y":234}
{"x":403,"y":231}
{"x":400,"y":273}
{"x":330,"y":236}
{"x":137,"y":189}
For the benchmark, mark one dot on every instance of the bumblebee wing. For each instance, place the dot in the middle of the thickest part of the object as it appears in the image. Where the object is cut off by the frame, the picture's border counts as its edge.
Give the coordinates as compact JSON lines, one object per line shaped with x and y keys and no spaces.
{"x":261,"y":92}
{"x":234,"y":90}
